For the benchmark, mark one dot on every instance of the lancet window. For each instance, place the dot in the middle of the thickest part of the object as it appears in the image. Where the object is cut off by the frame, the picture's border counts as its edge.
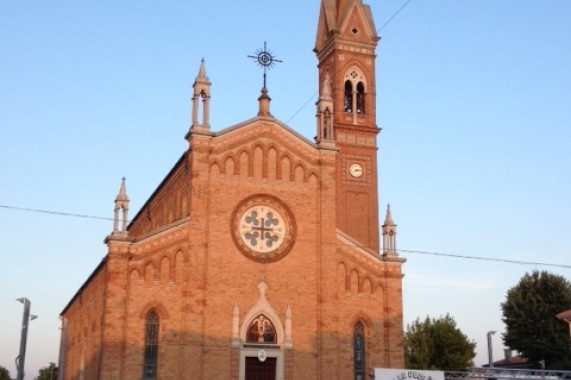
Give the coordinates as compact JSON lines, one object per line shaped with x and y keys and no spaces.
{"x":354,"y":92}
{"x":348,"y":101}
{"x":359,"y":351}
{"x":151,"y":346}
{"x":360,"y":98}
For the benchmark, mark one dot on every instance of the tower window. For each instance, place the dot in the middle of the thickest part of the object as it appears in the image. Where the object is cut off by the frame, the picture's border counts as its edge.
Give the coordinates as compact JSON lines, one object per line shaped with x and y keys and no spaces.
{"x":354,"y":98}
{"x":359,"y":351}
{"x":348,"y":101}
{"x":151,"y":346}
{"x":360,"y":98}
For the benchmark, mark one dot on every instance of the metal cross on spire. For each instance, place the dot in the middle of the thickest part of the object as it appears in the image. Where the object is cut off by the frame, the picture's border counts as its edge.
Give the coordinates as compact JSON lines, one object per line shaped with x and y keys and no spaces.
{"x":265,"y":59}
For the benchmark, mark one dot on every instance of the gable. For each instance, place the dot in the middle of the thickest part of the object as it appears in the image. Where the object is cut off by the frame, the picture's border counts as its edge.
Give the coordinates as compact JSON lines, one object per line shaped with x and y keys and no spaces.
{"x":351,"y":18}
{"x":357,"y":24}
{"x":260,"y":148}
{"x":263,"y":148}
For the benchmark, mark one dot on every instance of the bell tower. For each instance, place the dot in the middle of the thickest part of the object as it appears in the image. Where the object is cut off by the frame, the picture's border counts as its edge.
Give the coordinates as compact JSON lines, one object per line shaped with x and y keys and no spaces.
{"x":345,"y":48}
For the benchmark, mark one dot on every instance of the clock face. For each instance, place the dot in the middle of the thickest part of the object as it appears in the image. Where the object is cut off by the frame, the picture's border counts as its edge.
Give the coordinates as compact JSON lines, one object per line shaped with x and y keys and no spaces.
{"x":263,"y":228}
{"x":356,"y":170}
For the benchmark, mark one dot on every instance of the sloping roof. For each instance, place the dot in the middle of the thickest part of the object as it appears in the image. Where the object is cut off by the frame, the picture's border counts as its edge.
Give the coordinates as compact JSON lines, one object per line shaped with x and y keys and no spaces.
{"x":99,"y":268}
{"x":512,"y":361}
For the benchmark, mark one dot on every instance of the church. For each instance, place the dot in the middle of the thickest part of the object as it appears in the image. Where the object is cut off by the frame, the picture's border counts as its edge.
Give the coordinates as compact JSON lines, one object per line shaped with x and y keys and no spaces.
{"x":260,"y":256}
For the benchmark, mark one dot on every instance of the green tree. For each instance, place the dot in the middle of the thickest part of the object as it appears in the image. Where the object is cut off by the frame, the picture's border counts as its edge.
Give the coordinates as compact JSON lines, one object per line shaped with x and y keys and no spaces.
{"x":529,"y":315}
{"x":4,"y":374}
{"x":48,"y":373}
{"x":437,"y":344}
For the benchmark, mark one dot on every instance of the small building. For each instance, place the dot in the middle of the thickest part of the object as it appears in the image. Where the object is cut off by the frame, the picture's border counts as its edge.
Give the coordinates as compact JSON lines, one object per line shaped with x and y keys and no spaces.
{"x":511,"y":361}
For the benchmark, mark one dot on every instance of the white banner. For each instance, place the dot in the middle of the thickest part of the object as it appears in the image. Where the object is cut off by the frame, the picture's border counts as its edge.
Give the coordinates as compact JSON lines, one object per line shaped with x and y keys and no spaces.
{"x":407,"y":374}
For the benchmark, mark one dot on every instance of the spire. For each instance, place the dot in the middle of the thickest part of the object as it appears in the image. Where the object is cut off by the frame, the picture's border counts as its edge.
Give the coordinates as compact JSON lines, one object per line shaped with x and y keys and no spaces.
{"x":122,"y":196}
{"x":201,"y":77}
{"x":389,"y":234}
{"x":388,"y":217}
{"x":121,"y":203}
{"x":201,"y":88}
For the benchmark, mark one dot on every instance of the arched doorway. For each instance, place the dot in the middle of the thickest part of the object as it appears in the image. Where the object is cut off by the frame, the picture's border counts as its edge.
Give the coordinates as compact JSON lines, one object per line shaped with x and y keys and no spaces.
{"x":261,"y":335}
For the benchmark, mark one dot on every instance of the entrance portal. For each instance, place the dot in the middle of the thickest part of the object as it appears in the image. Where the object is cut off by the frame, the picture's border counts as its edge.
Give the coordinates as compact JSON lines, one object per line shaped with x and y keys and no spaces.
{"x":257,"y":370}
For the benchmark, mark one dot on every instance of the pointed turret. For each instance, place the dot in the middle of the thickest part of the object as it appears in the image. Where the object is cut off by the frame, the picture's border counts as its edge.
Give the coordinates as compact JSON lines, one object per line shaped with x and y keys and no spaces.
{"x":389,"y":217}
{"x":201,"y":88}
{"x":201,"y":77}
{"x":389,"y":234}
{"x":121,"y":204}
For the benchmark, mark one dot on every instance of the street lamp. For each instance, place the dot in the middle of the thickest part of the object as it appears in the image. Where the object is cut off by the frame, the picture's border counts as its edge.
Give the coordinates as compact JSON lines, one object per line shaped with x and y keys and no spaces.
{"x":24,"y":337}
{"x":490,"y":356}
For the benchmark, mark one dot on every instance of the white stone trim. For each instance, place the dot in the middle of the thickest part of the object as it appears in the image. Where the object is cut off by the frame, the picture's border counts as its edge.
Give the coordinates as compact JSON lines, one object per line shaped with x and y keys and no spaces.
{"x":263,"y":307}
{"x":271,"y":351}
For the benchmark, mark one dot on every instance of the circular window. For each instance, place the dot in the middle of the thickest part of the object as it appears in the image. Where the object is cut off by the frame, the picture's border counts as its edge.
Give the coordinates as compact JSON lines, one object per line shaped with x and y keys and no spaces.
{"x":263,"y":228}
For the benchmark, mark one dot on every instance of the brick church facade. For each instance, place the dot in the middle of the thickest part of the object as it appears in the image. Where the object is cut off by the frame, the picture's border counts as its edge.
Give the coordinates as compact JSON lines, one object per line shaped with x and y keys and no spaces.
{"x":258,"y":256}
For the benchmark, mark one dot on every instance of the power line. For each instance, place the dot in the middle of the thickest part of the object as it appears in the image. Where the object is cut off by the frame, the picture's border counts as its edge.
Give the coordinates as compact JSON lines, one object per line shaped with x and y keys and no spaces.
{"x":393,"y":16}
{"x":300,"y":108}
{"x":50,"y":212}
{"x":441,"y":254}
{"x":482,"y":258}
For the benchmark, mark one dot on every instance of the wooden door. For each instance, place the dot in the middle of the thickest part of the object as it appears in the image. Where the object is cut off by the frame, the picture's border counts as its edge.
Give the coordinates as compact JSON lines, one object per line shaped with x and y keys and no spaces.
{"x":257,"y":370}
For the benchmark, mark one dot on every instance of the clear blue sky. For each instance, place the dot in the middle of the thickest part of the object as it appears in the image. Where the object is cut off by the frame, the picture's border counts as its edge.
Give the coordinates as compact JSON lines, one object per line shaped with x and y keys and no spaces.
{"x":474,"y":98}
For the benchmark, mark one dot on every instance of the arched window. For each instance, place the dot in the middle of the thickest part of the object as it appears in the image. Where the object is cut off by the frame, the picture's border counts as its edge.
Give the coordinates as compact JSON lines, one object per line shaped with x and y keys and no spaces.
{"x":359,"y":351}
{"x":354,"y":98}
{"x":348,"y":101}
{"x":151,"y":346}
{"x":261,"y":330}
{"x":360,"y":98}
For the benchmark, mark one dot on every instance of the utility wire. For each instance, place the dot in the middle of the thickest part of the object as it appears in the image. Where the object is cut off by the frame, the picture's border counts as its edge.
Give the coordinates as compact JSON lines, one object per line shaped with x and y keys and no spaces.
{"x":302,"y":107}
{"x":59,"y":213}
{"x":467,"y":257}
{"x":393,"y":16}
{"x":482,"y":258}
